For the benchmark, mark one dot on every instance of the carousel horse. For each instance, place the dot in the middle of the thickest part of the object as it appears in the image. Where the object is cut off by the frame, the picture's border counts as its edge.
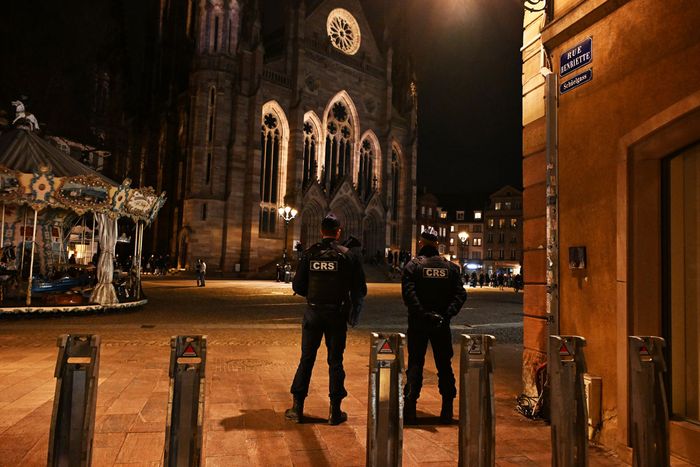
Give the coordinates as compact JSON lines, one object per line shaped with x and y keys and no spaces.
{"x":24,"y":118}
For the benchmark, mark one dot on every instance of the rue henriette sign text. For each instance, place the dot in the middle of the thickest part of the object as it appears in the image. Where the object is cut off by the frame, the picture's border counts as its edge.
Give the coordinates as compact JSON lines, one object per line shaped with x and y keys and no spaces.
{"x":576,"y":81}
{"x":576,"y":57}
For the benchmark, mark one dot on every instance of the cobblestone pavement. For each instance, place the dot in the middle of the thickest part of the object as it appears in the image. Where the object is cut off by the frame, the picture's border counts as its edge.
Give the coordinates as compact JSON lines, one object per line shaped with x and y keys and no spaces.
{"x":253,"y":349}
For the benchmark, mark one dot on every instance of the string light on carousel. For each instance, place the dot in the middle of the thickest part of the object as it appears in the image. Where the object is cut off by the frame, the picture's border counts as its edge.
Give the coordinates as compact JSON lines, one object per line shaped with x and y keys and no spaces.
{"x":59,"y":227}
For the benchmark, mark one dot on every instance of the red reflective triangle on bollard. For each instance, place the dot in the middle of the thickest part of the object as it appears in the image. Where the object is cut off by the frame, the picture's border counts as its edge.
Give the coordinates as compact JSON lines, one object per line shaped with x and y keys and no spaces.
{"x":385,"y":348}
{"x":189,"y":352}
{"x":563,"y":351}
{"x":643,"y":350}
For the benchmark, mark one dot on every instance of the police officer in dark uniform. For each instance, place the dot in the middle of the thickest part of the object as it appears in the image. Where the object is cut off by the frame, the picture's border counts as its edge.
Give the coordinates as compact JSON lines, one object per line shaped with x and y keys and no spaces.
{"x":433,"y":292}
{"x":331,"y":278}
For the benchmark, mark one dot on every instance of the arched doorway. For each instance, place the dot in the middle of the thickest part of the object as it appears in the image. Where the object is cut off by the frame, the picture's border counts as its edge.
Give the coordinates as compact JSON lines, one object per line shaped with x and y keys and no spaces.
{"x":349,"y":216}
{"x":311,"y":217}
{"x":182,"y":253}
{"x":372,"y":235}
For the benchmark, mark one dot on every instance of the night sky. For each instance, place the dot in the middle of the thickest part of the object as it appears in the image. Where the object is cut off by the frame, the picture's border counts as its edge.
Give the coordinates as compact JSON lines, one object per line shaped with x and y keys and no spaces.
{"x":466,"y":55}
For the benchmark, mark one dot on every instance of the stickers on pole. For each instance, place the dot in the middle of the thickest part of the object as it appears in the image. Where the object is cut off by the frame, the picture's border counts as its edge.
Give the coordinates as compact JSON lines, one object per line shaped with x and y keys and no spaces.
{"x":564,"y":352}
{"x":189,"y":351}
{"x":644,"y":354}
{"x":189,"y":355}
{"x":385,"y":348}
{"x":475,"y":348}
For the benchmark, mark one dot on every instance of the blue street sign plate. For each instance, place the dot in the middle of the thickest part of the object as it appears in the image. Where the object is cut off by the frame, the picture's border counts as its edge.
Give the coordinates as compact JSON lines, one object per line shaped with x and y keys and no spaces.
{"x":576,"y":81}
{"x":576,"y":57}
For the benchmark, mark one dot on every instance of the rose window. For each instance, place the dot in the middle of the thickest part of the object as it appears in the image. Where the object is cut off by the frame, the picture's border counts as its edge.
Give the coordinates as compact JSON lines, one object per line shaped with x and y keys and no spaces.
{"x":343,"y":31}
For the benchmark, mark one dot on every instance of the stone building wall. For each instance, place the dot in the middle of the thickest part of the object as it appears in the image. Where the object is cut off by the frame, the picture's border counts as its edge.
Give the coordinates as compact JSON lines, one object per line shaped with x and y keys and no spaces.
{"x":614,"y":134}
{"x":215,"y":209}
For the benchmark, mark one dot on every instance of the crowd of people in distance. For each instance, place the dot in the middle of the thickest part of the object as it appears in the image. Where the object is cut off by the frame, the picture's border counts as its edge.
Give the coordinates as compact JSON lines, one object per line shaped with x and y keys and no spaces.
{"x":500,"y":280}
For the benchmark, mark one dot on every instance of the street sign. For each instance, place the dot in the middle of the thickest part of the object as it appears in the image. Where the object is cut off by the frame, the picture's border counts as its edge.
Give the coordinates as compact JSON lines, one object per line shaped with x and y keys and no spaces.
{"x":576,"y":81}
{"x":576,"y":57}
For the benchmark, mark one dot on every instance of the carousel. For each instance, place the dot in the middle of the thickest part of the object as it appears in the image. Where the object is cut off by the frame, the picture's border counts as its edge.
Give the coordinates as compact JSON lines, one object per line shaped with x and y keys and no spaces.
{"x":60,"y":222}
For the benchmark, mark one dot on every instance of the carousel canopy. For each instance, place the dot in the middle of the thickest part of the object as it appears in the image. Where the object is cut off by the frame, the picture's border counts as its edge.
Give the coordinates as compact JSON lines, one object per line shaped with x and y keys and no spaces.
{"x":24,"y":151}
{"x":35,"y":173}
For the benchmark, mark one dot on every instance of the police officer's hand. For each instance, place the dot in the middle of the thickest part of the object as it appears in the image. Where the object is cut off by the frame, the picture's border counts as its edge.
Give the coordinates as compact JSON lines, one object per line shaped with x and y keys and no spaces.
{"x":434,"y":318}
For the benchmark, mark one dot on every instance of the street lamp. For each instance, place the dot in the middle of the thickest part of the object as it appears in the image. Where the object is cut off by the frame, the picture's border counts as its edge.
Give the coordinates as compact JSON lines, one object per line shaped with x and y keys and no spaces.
{"x":287,"y":213}
{"x":463,"y":237}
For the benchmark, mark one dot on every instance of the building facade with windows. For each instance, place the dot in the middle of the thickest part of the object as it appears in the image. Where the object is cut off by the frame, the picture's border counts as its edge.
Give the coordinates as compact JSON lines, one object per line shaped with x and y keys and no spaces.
{"x":620,"y":181}
{"x":317,"y":113}
{"x":469,"y":254}
{"x":430,"y":214}
{"x":503,"y":232}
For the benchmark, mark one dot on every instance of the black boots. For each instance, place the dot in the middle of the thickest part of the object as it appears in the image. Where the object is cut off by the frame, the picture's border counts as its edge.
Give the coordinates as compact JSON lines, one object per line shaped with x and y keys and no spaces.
{"x":336,"y":416}
{"x":409,"y":411}
{"x":446,"y":411}
{"x":296,"y":412}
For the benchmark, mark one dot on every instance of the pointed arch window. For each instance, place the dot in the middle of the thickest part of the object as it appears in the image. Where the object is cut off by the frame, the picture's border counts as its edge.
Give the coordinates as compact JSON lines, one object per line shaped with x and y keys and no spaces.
{"x":310,"y":142}
{"x":270,"y":140}
{"x":211,"y":112}
{"x":338,"y":145}
{"x":367,"y":181}
{"x":395,"y":181}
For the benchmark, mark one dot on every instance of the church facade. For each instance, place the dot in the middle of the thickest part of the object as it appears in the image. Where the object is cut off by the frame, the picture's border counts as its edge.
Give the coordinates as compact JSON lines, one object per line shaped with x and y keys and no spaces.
{"x":316,"y":115}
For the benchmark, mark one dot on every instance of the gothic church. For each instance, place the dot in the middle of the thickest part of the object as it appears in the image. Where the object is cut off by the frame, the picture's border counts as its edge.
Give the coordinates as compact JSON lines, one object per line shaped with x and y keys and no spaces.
{"x":318,"y":114}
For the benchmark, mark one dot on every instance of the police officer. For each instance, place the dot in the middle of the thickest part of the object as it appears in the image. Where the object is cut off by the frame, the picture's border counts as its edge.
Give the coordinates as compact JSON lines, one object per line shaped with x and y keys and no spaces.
{"x":433,"y":292}
{"x":330,"y":277}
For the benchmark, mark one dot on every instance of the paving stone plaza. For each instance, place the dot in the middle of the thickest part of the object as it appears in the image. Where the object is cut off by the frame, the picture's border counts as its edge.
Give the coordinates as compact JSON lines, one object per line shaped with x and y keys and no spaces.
{"x":253,"y":349}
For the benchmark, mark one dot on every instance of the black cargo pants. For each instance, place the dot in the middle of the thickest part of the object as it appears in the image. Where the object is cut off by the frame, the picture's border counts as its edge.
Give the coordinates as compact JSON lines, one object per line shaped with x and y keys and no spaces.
{"x":420,"y":332}
{"x":319,"y":322}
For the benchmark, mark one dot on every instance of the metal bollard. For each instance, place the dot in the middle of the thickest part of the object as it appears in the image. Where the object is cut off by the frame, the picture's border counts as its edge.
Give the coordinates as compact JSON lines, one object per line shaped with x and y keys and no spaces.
{"x":649,"y":409}
{"x":385,"y":401}
{"x":477,"y":420}
{"x":73,"y":417}
{"x":183,"y":430}
{"x":569,"y":417}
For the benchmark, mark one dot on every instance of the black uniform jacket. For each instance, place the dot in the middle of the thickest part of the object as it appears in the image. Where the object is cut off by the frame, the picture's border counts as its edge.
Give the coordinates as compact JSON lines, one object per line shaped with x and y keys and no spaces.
{"x":447,"y":305}
{"x":357,"y":286}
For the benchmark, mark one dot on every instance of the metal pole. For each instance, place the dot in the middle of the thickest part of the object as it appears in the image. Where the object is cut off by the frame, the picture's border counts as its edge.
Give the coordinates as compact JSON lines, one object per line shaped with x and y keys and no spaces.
{"x":183,"y":428}
{"x":569,"y":413}
{"x":92,"y":239}
{"x":73,"y":416}
{"x":477,"y":418}
{"x":552,"y":207}
{"x":82,"y":237}
{"x":649,"y":408}
{"x":31,"y":263}
{"x":284,"y":250}
{"x":136,"y":240}
{"x":139,"y":230}
{"x":24,"y":238}
{"x":385,"y":401}
{"x":2,"y":232}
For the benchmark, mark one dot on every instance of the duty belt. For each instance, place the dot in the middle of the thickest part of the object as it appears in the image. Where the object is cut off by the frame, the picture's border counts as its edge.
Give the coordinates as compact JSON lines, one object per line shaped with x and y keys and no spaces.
{"x":325,"y":306}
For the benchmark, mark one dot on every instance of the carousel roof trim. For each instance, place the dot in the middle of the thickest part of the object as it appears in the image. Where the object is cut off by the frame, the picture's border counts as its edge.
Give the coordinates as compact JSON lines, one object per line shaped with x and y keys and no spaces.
{"x":33,"y":172}
{"x":24,"y":151}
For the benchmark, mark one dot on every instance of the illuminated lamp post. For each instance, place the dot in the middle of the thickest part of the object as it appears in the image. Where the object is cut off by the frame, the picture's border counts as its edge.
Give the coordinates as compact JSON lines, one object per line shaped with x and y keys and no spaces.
{"x":287,"y":213}
{"x":463,"y":237}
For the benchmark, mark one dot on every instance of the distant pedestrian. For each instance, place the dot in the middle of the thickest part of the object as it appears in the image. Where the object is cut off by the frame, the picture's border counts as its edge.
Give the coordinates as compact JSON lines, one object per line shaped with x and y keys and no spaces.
{"x":201,"y":271}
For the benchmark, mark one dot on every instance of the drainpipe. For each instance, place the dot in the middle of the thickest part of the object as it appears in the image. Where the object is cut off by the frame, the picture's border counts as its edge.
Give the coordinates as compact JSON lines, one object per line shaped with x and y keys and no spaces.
{"x":552,"y":193}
